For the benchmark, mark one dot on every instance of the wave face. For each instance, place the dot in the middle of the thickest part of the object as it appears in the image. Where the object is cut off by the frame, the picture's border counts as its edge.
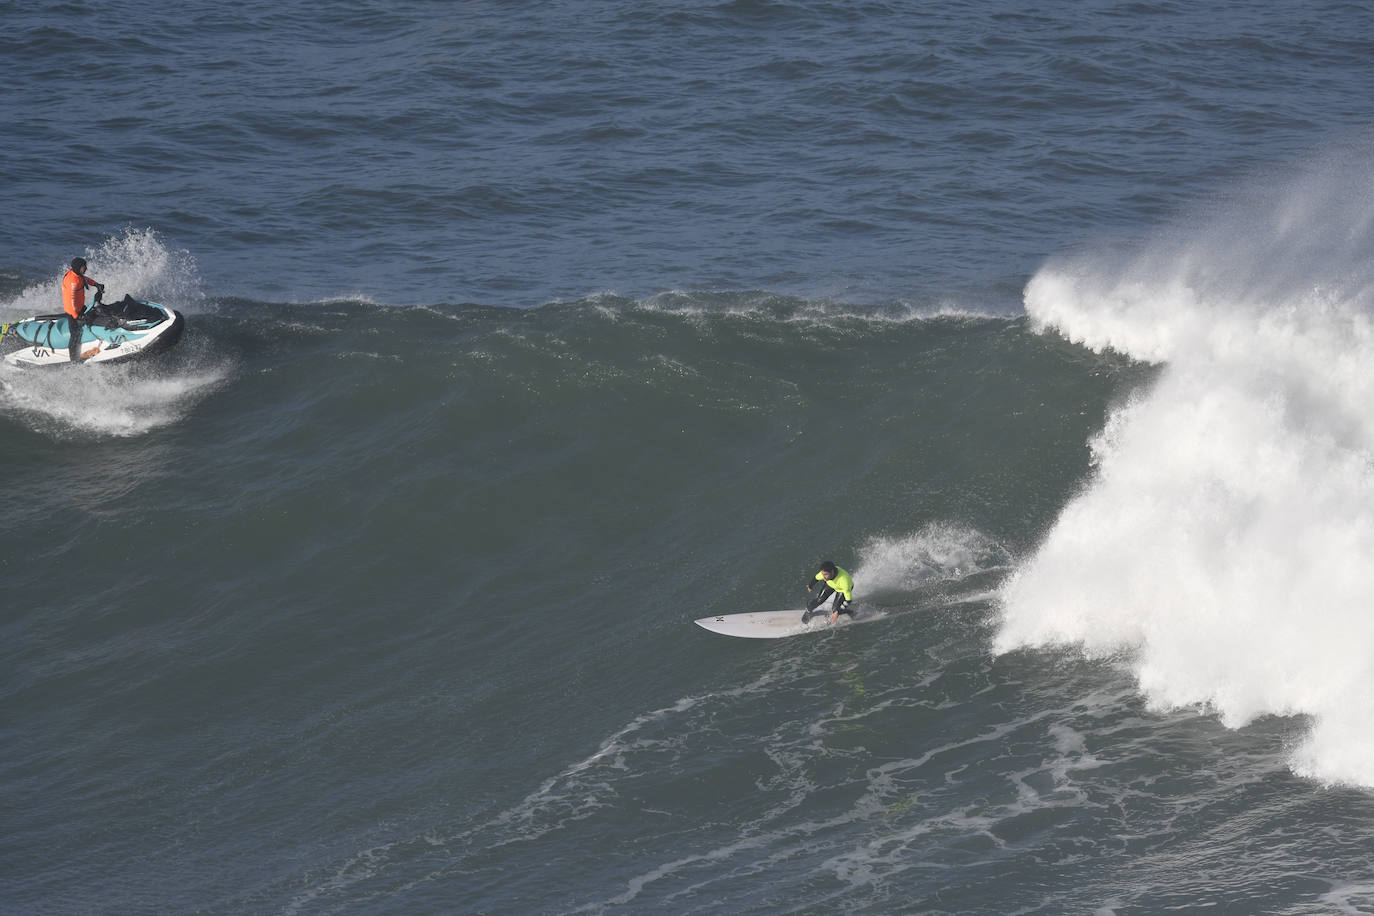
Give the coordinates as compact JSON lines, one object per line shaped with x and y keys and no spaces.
{"x":1223,"y":541}
{"x":354,"y":606}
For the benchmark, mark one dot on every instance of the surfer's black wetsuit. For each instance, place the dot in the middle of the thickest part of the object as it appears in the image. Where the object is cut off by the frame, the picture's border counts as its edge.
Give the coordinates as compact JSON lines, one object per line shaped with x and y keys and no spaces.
{"x":826,"y":592}
{"x":843,"y":594}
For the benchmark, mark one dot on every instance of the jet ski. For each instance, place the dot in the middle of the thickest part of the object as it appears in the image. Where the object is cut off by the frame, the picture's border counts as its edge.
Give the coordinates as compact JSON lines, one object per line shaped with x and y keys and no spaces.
{"x":111,"y":332}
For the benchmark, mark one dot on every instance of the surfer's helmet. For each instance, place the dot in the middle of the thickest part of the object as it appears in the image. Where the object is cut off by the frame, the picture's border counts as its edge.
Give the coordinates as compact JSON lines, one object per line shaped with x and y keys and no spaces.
{"x":78,"y":264}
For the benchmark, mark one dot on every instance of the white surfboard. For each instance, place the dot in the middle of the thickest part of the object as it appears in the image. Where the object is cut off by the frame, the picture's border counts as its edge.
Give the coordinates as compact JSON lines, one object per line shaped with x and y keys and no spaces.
{"x":771,"y":624}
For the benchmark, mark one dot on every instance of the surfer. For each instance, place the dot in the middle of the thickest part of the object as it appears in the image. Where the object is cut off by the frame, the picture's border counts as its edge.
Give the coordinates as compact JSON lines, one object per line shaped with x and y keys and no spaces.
{"x":834,"y":581}
{"x":74,"y":283}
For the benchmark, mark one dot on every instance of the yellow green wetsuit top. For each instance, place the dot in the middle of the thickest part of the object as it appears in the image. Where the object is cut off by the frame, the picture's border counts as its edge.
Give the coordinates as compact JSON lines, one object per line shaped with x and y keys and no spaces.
{"x":842,"y":583}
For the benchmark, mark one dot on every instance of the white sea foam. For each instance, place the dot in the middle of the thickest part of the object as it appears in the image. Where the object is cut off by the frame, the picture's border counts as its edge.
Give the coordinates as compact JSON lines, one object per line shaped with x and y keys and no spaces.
{"x":136,"y":262}
{"x":939,"y":552}
{"x":103,"y":401}
{"x":1225,"y":543}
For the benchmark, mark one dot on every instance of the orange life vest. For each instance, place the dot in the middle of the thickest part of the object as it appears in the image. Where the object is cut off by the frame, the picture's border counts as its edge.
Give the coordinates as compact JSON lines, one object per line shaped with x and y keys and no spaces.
{"x":73,"y":293}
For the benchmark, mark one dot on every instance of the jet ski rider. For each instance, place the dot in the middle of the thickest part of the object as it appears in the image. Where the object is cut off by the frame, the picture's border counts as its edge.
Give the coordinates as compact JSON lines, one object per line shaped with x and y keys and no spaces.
{"x":834,"y":581}
{"x":74,"y":283}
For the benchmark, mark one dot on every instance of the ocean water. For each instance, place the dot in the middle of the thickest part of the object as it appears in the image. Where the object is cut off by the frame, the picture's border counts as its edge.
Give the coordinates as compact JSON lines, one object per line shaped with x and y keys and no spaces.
{"x":521,"y":335}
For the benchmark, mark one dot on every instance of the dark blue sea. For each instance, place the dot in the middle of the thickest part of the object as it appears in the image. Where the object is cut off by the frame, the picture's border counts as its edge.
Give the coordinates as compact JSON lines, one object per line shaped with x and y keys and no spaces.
{"x":520,"y":335}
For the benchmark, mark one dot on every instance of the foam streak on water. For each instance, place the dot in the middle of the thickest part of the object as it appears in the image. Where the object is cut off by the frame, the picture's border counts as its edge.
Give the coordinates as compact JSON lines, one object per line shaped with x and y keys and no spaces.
{"x":1223,"y":542}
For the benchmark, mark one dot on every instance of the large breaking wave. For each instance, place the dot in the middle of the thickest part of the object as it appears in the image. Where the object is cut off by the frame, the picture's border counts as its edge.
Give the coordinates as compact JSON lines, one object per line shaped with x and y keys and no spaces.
{"x":1225,"y":542}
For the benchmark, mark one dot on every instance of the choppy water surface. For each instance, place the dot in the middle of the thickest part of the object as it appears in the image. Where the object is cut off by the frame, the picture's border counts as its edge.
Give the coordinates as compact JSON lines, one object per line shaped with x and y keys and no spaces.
{"x":521,"y":335}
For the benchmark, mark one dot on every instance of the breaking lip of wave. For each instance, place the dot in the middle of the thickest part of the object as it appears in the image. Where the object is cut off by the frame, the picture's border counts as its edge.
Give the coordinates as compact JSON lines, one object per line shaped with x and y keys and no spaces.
{"x":781,"y":307}
{"x":1223,"y":542}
